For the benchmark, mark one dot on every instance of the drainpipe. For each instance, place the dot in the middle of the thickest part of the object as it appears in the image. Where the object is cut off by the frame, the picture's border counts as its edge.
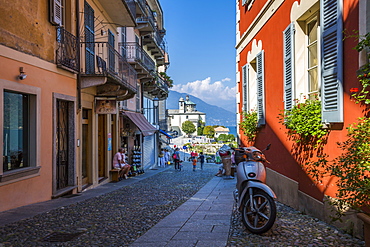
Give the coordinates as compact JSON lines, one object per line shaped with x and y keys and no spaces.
{"x":78,"y":36}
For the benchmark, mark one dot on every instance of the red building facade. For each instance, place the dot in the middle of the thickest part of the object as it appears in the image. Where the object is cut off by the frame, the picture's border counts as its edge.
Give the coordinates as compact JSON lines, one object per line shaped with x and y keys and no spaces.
{"x":287,"y":52}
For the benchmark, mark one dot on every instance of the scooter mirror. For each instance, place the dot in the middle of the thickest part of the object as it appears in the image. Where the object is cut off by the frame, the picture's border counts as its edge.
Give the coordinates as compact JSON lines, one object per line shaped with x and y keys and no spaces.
{"x":268,"y":146}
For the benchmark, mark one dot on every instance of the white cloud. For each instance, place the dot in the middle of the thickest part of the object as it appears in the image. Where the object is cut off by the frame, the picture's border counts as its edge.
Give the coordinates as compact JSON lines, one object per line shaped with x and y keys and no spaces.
{"x":212,"y":93}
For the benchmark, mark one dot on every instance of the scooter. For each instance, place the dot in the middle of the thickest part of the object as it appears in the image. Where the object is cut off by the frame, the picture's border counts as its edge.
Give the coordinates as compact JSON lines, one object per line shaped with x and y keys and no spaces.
{"x":254,"y":199}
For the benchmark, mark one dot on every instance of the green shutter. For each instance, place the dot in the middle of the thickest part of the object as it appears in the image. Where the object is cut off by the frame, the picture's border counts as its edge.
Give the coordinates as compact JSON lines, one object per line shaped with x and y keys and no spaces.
{"x":260,"y":89}
{"x":245,"y":86}
{"x":331,"y":61}
{"x":289,"y":78}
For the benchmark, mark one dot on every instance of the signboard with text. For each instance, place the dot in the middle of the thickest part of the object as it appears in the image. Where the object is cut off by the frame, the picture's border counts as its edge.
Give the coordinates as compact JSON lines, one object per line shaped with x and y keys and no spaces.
{"x":105,"y":106}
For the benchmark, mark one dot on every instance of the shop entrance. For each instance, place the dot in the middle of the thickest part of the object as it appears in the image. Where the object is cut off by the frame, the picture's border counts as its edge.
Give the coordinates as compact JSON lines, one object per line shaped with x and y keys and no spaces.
{"x":86,"y":148}
{"x":102,"y":145}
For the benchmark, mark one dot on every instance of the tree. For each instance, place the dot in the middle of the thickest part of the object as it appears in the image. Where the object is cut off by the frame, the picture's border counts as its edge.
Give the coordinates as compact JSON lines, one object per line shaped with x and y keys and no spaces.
{"x":188,"y":127}
{"x":200,"y":128}
{"x":223,"y":138}
{"x":230,"y":137}
{"x":209,"y":131}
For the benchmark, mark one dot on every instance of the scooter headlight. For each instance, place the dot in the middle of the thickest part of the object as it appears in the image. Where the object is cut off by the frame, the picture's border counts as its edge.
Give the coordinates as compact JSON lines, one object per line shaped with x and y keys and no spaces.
{"x":251,"y":174}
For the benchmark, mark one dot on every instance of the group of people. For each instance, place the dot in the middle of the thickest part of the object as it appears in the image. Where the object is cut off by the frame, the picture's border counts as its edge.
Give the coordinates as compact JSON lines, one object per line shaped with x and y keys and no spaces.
{"x":119,"y":161}
{"x":165,"y":158}
{"x":194,"y":158}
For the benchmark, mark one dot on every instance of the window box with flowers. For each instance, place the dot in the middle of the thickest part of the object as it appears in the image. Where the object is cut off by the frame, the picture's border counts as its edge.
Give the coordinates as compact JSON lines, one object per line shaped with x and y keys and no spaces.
{"x":303,"y":121}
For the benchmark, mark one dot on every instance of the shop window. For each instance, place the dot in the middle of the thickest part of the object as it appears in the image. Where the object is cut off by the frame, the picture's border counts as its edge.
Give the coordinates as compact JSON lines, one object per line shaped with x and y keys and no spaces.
{"x":19,"y":135}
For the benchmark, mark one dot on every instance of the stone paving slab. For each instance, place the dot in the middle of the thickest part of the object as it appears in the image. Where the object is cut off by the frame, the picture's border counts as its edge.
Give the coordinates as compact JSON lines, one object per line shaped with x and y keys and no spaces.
{"x":203,"y":220}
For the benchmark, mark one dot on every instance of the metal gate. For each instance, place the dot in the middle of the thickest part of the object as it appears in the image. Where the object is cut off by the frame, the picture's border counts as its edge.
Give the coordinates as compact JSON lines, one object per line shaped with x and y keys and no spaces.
{"x":62,"y":134}
{"x":149,"y":151}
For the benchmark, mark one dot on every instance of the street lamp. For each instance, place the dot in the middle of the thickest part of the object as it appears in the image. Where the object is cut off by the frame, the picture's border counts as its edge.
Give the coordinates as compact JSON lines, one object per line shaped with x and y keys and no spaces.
{"x":155,"y":102}
{"x":156,"y":120}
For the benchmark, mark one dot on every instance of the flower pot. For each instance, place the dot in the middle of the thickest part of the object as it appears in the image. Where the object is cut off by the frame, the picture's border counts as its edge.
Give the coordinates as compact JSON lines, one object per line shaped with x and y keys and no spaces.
{"x":366,"y":219}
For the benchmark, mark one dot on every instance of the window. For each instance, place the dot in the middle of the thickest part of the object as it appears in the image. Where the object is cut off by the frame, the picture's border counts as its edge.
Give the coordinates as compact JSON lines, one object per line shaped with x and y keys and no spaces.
{"x":19,"y":134}
{"x":313,"y":57}
{"x":245,"y":85}
{"x":16,"y":141}
{"x":56,"y":12}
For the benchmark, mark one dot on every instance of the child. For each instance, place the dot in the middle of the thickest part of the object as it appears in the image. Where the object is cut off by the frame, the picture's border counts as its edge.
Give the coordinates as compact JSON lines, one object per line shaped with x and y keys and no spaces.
{"x":194,"y":164}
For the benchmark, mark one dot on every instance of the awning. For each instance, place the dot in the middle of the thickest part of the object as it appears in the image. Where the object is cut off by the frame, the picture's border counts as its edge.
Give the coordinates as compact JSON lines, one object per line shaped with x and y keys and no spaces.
{"x":141,"y":122}
{"x":165,"y":133}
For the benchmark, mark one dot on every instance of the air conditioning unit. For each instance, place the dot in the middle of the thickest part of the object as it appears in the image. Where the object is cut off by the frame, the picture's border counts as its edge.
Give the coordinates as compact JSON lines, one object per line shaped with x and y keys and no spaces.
{"x":56,"y":12}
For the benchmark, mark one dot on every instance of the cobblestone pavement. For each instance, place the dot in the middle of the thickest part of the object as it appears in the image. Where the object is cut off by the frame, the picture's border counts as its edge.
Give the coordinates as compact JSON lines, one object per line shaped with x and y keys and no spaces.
{"x":120,"y":217}
{"x":291,"y":228}
{"x":114,"y":219}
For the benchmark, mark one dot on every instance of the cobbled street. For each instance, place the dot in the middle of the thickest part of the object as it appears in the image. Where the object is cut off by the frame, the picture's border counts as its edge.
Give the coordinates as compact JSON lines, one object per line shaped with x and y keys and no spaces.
{"x":120,"y":217}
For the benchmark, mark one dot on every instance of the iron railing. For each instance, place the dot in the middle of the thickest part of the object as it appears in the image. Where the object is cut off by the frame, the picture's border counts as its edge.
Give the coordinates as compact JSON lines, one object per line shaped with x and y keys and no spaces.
{"x":67,"y":50}
{"x":101,"y":59}
{"x":161,"y":83}
{"x":134,"y":52}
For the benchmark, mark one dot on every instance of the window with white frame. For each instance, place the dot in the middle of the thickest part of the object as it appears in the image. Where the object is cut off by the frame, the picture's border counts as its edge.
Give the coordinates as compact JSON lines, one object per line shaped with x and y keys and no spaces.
{"x":319,"y":69}
{"x":253,"y":91}
{"x":313,"y":56}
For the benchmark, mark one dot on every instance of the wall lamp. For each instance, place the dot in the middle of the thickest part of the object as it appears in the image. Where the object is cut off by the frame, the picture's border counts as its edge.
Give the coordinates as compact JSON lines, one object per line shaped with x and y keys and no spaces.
{"x":22,"y":75}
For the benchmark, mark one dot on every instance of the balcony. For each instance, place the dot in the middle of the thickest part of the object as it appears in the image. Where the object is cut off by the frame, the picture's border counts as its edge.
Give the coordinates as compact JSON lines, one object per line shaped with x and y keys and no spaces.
{"x":67,"y":50}
{"x":155,"y":44}
{"x":156,"y":88}
{"x":119,"y":12}
{"x":140,"y":7}
{"x":140,"y":60}
{"x":103,"y":67}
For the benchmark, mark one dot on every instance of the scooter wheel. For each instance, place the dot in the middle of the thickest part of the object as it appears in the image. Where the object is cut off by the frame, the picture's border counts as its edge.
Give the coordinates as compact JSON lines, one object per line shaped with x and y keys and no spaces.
{"x":258,"y":215}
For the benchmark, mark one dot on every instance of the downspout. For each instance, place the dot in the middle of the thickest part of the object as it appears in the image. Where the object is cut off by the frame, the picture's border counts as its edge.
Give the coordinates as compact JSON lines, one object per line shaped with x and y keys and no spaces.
{"x":78,"y":36}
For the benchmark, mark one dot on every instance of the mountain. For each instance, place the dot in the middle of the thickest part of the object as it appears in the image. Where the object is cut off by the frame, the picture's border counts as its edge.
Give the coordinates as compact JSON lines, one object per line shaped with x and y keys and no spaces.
{"x":215,"y":115}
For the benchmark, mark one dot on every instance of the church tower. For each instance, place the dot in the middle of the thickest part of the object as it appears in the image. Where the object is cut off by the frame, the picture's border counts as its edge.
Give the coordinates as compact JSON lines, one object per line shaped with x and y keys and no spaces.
{"x":181,"y":105}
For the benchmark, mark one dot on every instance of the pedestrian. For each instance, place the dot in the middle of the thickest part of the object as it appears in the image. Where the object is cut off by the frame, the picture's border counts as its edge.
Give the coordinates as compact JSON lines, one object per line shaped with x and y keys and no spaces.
{"x":167,"y":157}
{"x":119,"y":162}
{"x":176,"y":159}
{"x":201,"y":159}
{"x":161,"y":158}
{"x":194,"y":163}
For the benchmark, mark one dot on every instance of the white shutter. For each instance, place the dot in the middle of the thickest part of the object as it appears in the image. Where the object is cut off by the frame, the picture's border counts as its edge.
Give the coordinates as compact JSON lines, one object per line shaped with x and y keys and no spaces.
{"x":245,"y":87}
{"x":332,"y":61}
{"x":56,"y":12}
{"x":260,"y":89}
{"x":289,"y":77}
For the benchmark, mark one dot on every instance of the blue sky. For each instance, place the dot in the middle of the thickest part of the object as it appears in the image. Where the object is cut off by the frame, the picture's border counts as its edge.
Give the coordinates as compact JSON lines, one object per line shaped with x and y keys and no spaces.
{"x":201,"y":45}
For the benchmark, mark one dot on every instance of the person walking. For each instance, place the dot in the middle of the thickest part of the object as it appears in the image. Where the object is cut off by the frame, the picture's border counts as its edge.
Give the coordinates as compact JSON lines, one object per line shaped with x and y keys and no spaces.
{"x":176,"y":159}
{"x":201,"y":160}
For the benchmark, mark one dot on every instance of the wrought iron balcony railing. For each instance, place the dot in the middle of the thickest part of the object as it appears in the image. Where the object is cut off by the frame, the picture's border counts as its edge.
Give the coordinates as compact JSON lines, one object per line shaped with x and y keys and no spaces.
{"x":162,"y":83}
{"x":67,"y":50}
{"x":101,"y":59}
{"x":134,"y":52}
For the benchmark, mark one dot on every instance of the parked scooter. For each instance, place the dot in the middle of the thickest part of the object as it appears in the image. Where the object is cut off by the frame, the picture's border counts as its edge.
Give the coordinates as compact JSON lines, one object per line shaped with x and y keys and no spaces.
{"x":255,"y":200}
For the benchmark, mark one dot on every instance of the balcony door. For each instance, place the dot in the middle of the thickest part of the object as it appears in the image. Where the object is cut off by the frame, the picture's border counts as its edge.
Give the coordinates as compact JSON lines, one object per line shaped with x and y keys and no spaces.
{"x":111,"y":50}
{"x":89,"y":39}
